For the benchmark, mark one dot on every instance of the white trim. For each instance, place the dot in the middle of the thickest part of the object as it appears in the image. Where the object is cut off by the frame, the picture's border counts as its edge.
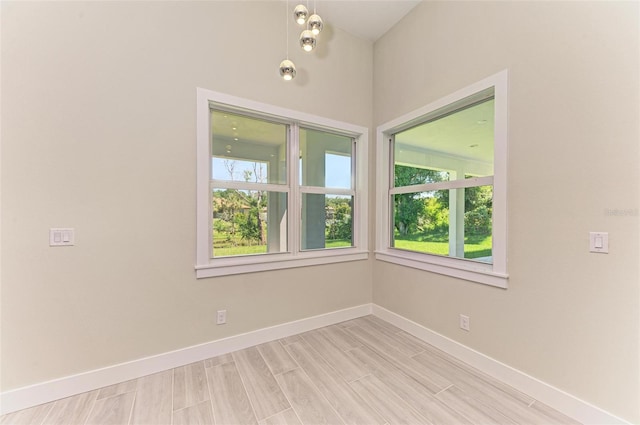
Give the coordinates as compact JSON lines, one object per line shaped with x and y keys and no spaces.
{"x":383,"y":184}
{"x":500,"y":158}
{"x":33,"y":395}
{"x":473,"y":271}
{"x":451,"y":102}
{"x":560,"y":400}
{"x":259,"y":263}
{"x":241,"y":105}
{"x":494,"y":274}
{"x":203,"y":173}
{"x":361,"y":197}
{"x":294,"y":257}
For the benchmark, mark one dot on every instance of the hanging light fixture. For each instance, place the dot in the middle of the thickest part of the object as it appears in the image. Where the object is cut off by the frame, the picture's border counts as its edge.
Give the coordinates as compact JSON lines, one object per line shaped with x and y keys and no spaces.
{"x":287,"y":68}
{"x":308,"y":40}
{"x":315,"y":24}
{"x":300,"y":14}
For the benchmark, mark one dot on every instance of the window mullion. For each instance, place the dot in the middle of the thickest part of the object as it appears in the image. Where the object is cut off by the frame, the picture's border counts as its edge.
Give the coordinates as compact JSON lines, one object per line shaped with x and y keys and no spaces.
{"x":327,"y":190}
{"x":295,"y":201}
{"x":452,"y":184}
{"x":237,"y":185}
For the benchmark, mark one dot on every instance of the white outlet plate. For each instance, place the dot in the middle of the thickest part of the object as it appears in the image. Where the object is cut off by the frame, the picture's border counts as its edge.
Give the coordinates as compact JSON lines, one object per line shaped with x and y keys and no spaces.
{"x":221,"y":317}
{"x":465,"y":322}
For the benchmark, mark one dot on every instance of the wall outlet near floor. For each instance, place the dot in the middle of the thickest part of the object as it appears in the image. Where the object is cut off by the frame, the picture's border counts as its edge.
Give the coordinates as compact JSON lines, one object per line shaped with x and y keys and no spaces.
{"x":464,"y":322}
{"x":221,"y":317}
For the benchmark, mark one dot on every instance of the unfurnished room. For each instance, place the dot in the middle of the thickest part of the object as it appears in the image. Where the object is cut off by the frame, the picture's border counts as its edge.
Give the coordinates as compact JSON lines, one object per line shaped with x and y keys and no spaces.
{"x":319,"y":212}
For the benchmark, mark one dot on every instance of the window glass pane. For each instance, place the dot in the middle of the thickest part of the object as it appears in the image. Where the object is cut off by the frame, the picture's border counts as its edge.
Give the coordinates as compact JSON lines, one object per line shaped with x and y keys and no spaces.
{"x":455,"y":223}
{"x":458,"y":143}
{"x":248,"y":222}
{"x":248,"y":149}
{"x":327,"y":221}
{"x":325,"y":159}
{"x":478,"y":214}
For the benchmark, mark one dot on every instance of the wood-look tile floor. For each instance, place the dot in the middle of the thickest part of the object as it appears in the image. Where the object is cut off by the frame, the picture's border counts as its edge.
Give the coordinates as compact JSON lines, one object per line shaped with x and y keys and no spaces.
{"x":363,"y":371}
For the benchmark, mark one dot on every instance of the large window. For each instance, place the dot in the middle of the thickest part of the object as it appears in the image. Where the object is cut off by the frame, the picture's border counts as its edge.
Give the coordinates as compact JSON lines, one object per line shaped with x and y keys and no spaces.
{"x":444,"y":192}
{"x":276,"y":188}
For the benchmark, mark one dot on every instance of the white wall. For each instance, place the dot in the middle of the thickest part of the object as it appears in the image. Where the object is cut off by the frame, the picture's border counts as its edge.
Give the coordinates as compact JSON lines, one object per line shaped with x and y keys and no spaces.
{"x":98,"y":133}
{"x":568,"y":318}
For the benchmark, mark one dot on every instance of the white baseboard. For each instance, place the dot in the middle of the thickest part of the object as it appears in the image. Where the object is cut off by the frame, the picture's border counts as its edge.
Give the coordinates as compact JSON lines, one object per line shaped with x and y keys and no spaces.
{"x":22,"y":398}
{"x":33,"y":395}
{"x":564,"y":402}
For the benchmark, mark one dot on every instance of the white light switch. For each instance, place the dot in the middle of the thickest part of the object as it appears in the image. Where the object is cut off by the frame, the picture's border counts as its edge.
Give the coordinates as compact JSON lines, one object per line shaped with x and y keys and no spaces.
{"x":599,"y":242}
{"x":61,"y":237}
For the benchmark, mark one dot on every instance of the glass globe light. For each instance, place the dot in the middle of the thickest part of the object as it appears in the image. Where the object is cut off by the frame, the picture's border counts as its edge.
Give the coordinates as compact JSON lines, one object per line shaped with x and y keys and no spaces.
{"x":315,"y":24}
{"x":307,"y":40}
{"x":300,"y":14}
{"x":287,"y":70}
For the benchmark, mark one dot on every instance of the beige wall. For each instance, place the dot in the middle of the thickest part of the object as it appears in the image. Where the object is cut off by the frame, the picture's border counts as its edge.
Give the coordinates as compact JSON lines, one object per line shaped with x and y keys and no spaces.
{"x":98,"y":133}
{"x":569,"y":318}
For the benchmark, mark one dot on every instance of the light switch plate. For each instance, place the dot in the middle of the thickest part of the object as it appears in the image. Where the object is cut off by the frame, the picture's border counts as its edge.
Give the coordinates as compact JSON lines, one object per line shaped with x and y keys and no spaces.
{"x":599,"y":242}
{"x":61,"y":236}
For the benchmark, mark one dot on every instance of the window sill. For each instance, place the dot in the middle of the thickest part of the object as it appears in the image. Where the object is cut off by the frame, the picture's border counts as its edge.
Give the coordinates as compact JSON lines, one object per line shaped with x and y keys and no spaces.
{"x":461,"y":269}
{"x":251,"y":264}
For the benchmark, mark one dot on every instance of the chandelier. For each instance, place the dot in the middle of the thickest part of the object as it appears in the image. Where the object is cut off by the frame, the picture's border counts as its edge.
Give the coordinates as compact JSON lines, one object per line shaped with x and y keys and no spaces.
{"x":308,"y":37}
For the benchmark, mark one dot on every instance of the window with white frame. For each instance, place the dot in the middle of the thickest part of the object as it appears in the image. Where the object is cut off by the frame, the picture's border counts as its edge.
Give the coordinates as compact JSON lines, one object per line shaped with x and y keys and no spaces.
{"x":276,"y":188}
{"x":443,"y":185}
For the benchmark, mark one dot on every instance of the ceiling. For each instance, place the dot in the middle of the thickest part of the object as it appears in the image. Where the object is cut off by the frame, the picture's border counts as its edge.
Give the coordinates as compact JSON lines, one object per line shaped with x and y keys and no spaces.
{"x":368,"y":19}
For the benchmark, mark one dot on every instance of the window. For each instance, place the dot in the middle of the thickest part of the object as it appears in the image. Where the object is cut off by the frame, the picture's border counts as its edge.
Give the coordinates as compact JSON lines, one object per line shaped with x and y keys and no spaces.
{"x":443,"y":193}
{"x":327,"y":189}
{"x":276,"y":188}
{"x":248,"y":185}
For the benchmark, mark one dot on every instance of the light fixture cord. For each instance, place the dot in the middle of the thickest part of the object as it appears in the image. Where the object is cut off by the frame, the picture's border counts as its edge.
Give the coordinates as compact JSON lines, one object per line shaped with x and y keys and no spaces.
{"x":286,"y":23}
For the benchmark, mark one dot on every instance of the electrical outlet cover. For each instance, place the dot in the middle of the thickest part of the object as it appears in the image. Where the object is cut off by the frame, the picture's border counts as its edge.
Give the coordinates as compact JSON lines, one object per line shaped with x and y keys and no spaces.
{"x":465,"y":322}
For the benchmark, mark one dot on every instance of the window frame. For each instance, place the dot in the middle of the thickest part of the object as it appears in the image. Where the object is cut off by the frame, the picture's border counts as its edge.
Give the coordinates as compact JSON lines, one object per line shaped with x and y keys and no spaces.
{"x":206,"y":266}
{"x":490,"y":274}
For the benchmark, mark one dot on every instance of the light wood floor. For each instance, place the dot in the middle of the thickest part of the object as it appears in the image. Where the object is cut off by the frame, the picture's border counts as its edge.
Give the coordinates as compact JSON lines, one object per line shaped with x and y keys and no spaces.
{"x":364,"y":371}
